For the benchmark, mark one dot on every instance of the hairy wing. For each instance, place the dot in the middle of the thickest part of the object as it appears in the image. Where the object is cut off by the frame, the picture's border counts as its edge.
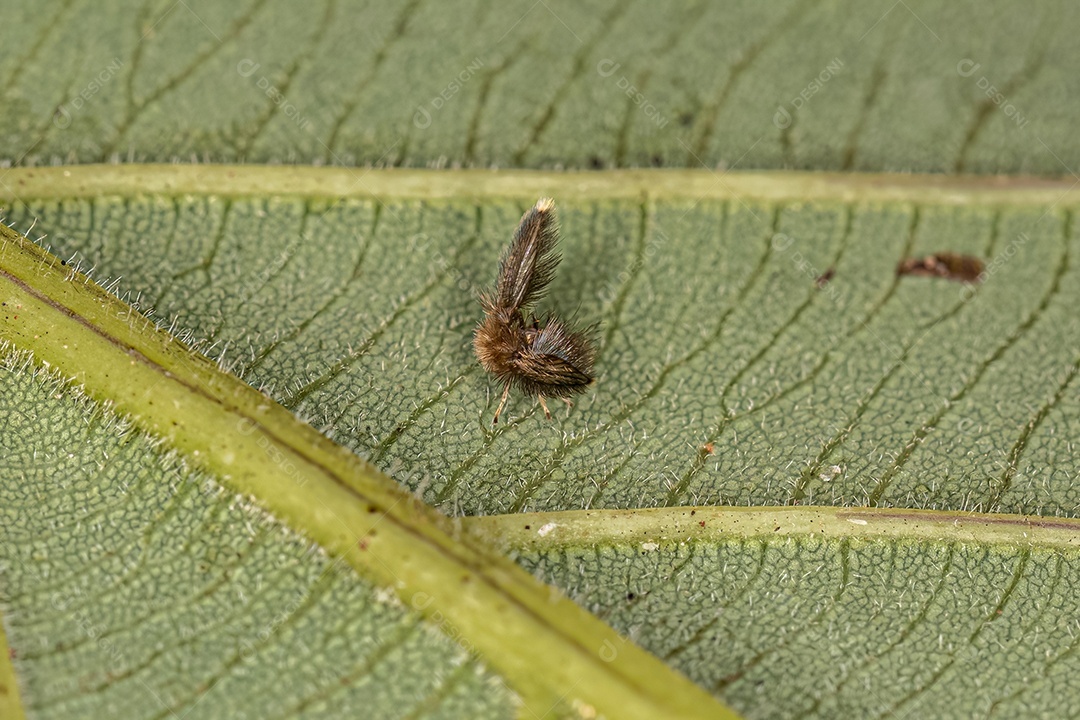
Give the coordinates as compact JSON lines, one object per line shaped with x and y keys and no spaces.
{"x":557,"y":361}
{"x":528,"y":265}
{"x":550,"y":370}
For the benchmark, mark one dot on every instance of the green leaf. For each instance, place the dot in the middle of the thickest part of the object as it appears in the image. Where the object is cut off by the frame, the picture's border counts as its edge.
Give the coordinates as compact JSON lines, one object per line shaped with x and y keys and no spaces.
{"x":10,"y":703}
{"x":357,"y":314}
{"x":727,"y":376}
{"x":935,"y":87}
{"x":830,"y":612}
{"x":136,"y":586}
{"x":185,"y":584}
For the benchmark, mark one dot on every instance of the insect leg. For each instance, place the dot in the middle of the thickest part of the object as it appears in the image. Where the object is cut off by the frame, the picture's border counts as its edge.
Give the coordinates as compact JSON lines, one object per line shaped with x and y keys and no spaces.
{"x":547,"y":413}
{"x":506,"y":391}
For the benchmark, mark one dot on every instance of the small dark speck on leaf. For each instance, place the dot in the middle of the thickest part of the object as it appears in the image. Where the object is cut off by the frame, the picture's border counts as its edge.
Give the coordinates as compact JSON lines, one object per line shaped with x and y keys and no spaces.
{"x":693,"y":512}
{"x":630,"y":596}
{"x":824,"y":278}
{"x":528,"y":527}
{"x":701,"y":523}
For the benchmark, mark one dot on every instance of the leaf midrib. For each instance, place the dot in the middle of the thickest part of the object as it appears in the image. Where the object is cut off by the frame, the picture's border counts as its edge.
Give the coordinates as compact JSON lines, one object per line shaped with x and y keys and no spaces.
{"x":546,"y":531}
{"x":237,"y":181}
{"x":225,"y":426}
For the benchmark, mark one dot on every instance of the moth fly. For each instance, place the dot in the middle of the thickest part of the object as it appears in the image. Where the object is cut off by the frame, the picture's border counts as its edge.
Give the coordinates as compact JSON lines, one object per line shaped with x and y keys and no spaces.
{"x":541,"y":357}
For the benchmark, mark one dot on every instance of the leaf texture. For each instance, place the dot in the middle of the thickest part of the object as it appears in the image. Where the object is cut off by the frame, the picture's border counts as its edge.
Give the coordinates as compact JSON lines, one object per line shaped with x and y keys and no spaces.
{"x":850,"y":85}
{"x":729,"y":374}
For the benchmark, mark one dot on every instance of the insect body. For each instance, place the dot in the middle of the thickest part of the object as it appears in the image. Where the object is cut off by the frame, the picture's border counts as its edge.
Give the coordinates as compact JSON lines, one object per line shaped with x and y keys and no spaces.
{"x":545,"y":357}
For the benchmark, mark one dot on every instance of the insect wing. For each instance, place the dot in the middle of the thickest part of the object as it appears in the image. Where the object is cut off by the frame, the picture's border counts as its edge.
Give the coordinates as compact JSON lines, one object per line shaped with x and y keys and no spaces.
{"x":557,"y":357}
{"x":529,"y":263}
{"x":550,"y":370}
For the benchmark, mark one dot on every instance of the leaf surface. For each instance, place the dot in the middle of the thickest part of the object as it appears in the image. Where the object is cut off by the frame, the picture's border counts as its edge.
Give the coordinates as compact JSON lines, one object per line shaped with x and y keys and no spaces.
{"x":255,"y":447}
{"x":357,"y":314}
{"x":848,"y":85}
{"x":135,"y":586}
{"x":829,"y":612}
{"x":729,"y":375}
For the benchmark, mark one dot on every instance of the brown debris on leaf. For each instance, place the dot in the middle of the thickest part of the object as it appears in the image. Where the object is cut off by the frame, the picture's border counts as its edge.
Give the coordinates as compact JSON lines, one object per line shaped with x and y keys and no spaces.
{"x":951,"y":266}
{"x":823,"y":279}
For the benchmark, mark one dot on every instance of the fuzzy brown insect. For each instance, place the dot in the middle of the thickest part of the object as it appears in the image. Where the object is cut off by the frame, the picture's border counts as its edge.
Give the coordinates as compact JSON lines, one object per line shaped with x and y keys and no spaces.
{"x":545,"y":358}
